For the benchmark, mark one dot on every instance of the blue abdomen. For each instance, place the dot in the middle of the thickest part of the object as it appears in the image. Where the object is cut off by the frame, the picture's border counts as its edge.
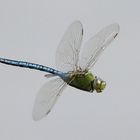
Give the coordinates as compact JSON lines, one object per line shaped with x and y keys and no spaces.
{"x":32,"y":66}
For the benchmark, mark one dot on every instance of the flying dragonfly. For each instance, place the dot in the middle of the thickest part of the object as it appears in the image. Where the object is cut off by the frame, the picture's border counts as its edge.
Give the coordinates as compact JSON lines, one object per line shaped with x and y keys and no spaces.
{"x":73,"y":66}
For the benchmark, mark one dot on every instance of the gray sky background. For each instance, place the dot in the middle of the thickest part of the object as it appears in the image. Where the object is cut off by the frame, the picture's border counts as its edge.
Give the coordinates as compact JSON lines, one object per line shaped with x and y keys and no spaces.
{"x":31,"y":30}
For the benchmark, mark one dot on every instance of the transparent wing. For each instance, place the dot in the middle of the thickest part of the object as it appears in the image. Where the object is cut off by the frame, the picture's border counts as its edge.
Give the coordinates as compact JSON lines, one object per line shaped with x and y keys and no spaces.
{"x":67,"y":54}
{"x":47,"y":97}
{"x":96,"y":45}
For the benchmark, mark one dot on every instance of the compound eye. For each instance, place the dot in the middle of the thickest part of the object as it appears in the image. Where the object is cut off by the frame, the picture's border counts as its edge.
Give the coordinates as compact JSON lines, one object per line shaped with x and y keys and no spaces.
{"x":99,"y":85}
{"x":103,"y":85}
{"x":98,"y":82}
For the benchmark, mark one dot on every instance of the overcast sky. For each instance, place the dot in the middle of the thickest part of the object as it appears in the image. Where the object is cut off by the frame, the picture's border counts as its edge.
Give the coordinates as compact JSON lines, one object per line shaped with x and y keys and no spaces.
{"x":31,"y":30}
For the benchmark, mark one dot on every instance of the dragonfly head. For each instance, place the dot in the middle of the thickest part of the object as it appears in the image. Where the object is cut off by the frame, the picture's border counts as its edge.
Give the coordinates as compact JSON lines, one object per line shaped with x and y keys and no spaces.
{"x":98,"y":84}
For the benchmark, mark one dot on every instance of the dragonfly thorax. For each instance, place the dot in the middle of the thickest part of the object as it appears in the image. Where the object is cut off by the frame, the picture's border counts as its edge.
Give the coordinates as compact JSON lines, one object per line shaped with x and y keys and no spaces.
{"x":86,"y":81}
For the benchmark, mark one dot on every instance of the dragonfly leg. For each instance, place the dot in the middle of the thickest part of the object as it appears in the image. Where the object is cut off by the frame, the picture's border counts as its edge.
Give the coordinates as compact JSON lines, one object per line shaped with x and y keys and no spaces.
{"x":49,"y":75}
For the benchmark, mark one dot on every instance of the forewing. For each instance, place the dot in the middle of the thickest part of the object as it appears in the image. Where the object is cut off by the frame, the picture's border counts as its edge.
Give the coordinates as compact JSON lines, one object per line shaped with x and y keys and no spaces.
{"x":46,"y":97}
{"x":67,"y":54}
{"x":96,"y":45}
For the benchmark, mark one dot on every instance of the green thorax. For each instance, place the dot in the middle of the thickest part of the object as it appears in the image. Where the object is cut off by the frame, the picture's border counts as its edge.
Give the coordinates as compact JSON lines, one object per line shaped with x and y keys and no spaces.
{"x":83,"y":81}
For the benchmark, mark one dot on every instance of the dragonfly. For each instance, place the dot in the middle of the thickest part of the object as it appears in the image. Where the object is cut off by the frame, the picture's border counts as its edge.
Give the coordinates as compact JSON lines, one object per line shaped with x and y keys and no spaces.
{"x":73,"y":66}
